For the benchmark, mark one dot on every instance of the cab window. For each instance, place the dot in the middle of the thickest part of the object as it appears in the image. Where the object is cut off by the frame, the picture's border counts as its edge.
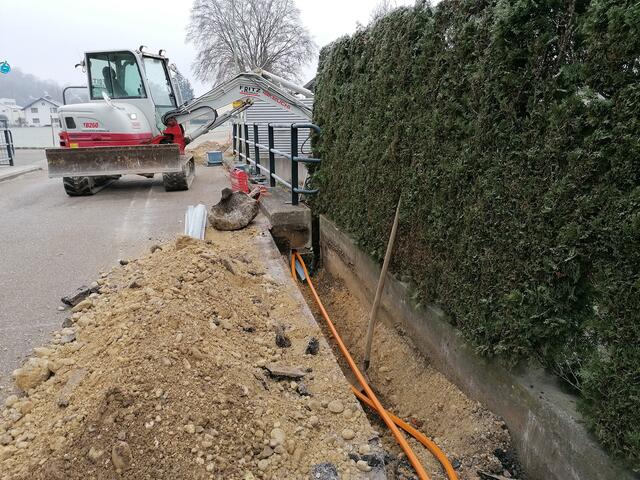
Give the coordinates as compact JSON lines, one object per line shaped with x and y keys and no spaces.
{"x":117,"y":74}
{"x":159,"y":83}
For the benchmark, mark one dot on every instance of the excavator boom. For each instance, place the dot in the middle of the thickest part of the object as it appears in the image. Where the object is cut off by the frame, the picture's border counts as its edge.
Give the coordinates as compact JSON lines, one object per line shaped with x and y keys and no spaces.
{"x":246,"y":87}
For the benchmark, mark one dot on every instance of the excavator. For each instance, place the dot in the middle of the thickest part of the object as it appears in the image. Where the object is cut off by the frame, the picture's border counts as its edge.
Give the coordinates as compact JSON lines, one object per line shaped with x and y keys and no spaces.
{"x":136,"y":123}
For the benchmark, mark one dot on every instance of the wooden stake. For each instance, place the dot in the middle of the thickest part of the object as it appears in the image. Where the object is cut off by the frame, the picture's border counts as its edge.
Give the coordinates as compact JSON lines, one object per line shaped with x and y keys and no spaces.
{"x":376,"y":300}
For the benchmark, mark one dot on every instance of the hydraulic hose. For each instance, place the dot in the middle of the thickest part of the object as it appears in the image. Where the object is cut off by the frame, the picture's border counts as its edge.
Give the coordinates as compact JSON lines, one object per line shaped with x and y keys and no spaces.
{"x":411,"y":456}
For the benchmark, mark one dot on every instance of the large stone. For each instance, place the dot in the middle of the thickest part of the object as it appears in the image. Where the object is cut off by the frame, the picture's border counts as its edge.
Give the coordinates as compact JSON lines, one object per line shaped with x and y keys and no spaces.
{"x":23,"y":406}
{"x":82,"y":306}
{"x":234,"y":211}
{"x":79,"y":295}
{"x":32,"y":373}
{"x":42,"y":352}
{"x":336,"y":406}
{"x":95,"y":454}
{"x":58,"y":363}
{"x":121,"y":456}
{"x":284,"y":372}
{"x":64,"y":398}
{"x":278,"y":435}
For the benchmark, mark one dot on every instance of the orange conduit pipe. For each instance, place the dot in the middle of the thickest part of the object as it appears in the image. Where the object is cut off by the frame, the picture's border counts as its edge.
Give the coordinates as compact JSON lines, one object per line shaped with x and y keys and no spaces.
{"x":432,"y":447}
{"x":413,"y":459}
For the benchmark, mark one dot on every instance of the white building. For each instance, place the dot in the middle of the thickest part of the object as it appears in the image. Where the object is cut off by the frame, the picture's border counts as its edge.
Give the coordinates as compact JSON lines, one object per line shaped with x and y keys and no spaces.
{"x":10,"y":112}
{"x":41,"y":112}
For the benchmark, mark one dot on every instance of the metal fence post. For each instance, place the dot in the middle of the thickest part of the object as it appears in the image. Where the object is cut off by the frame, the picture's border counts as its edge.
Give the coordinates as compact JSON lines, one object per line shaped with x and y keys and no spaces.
{"x":246,"y":143}
{"x":239,"y":149}
{"x":256,"y":149}
{"x":233,"y":138}
{"x":8,"y":143}
{"x":272,"y":157}
{"x":294,"y":165}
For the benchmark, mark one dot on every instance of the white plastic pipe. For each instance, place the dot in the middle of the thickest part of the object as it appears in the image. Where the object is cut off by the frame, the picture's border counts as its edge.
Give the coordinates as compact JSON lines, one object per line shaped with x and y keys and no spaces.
{"x":195,"y":221}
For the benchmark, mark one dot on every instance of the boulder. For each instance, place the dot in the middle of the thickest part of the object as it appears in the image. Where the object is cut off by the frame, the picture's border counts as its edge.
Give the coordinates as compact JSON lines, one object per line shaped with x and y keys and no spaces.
{"x":234,"y":211}
{"x":32,"y":373}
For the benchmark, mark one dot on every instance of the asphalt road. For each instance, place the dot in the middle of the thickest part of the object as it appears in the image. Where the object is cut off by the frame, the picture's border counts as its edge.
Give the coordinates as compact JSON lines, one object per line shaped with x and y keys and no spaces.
{"x":52,"y":244}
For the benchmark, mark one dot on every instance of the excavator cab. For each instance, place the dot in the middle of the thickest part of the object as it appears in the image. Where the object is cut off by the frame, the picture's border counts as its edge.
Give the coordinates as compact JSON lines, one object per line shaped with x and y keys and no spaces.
{"x":140,"y":78}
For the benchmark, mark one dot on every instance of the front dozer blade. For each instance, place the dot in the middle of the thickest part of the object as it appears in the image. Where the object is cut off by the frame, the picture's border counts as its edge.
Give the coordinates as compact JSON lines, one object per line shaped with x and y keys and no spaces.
{"x":106,"y":161}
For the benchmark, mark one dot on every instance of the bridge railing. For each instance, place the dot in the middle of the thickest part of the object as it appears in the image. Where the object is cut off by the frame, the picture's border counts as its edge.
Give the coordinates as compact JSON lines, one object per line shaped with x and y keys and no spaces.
{"x":7,"y":150}
{"x":242,"y":146}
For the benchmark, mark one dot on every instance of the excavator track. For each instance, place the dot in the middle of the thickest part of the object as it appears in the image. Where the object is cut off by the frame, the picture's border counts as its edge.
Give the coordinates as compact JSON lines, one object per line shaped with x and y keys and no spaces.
{"x":177,"y":181}
{"x":86,"y":186}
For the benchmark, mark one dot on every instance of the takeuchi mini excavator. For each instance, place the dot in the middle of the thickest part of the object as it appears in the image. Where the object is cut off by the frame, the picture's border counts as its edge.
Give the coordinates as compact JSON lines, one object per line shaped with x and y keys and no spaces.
{"x":135,"y":122}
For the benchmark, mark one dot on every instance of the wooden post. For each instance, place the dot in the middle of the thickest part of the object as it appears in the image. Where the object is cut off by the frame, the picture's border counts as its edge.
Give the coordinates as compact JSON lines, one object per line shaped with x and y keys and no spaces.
{"x":376,"y":300}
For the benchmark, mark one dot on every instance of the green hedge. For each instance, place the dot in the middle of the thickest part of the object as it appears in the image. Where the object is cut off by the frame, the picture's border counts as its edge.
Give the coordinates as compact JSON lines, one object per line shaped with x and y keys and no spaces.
{"x":512,"y":129}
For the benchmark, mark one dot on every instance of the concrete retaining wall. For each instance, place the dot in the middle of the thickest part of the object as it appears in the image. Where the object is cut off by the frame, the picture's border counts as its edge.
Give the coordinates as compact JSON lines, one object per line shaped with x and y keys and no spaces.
{"x":547,"y":430}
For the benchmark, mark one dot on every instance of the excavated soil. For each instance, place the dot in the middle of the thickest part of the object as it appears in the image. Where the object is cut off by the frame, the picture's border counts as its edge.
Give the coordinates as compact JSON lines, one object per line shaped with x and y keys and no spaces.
{"x":163,"y":374}
{"x":474,"y":439}
{"x":200,"y":152}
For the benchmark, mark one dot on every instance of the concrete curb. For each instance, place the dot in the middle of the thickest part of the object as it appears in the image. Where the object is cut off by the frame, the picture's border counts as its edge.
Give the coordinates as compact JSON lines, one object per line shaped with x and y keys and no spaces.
{"x":17,"y":171}
{"x":290,"y":224}
{"x":547,"y":431}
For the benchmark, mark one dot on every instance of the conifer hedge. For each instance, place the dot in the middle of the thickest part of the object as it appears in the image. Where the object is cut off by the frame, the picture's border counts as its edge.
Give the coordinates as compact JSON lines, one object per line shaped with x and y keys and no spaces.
{"x":512,"y":130}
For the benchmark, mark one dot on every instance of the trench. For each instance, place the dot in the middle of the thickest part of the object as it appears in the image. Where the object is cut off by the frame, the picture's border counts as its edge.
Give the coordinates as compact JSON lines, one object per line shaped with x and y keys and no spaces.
{"x":475,"y":440}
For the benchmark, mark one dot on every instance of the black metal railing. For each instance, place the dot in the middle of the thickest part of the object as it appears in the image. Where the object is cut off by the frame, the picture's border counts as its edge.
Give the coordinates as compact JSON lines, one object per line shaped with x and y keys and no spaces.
{"x":7,"y":150}
{"x":241,"y":144}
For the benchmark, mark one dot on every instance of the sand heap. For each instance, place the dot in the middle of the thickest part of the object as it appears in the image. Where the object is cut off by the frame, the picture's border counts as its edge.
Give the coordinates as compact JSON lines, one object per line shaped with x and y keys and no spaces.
{"x":200,"y":151}
{"x":190,"y":362}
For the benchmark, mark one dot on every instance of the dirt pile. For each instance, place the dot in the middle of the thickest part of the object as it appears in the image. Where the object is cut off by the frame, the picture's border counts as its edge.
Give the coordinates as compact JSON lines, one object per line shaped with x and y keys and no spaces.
{"x":171,"y":370}
{"x":474,"y":439}
{"x":200,"y":151}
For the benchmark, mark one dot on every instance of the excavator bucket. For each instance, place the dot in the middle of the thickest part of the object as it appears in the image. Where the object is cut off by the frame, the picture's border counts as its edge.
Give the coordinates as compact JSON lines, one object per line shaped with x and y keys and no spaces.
{"x":107,"y":161}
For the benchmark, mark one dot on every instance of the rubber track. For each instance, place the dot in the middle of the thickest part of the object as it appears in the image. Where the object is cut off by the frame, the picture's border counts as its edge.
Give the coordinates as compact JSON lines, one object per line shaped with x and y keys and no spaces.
{"x":79,"y":186}
{"x":177,"y":181}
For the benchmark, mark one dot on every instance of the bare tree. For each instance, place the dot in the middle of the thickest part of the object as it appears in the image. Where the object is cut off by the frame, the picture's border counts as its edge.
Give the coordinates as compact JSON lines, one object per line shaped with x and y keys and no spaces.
{"x":184,"y":85}
{"x":383,"y":8}
{"x":234,"y":36}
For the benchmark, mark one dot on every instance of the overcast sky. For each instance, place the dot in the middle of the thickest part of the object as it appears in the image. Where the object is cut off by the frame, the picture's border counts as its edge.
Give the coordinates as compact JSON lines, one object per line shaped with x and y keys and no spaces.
{"x":48,"y":37}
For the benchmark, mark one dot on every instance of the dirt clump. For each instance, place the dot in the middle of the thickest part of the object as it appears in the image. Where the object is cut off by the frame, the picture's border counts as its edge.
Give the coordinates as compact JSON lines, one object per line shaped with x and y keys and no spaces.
{"x":169,"y":380}
{"x":474,"y":439}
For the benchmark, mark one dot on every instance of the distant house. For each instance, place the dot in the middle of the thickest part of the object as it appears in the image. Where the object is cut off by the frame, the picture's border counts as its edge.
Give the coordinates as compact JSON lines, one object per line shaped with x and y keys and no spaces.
{"x":41,"y":112}
{"x":10,"y":112}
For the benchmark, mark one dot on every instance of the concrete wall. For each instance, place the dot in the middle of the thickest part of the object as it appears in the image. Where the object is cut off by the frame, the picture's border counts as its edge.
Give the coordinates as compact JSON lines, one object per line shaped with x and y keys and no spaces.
{"x":547,"y":431}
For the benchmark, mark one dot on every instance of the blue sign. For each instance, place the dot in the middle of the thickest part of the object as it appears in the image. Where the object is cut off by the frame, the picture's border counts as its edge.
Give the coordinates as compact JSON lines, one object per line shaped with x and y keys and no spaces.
{"x":5,"y":67}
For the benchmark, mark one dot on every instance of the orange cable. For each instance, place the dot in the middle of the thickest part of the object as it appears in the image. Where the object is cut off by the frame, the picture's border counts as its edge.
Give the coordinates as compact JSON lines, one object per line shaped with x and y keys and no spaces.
{"x":419,"y":436}
{"x":413,"y":459}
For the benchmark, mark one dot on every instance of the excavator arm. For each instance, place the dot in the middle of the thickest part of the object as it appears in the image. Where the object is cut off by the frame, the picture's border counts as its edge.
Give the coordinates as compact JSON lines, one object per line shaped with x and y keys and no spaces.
{"x":218,"y":120}
{"x":245,"y":87}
